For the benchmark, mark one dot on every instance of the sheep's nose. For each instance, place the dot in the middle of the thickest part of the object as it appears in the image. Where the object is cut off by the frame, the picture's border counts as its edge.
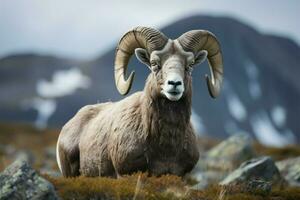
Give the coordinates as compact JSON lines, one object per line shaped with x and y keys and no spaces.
{"x":174,"y":83}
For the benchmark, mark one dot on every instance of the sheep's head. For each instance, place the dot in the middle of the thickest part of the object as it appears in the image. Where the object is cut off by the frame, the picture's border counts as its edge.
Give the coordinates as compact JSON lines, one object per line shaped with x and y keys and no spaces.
{"x":171,"y":61}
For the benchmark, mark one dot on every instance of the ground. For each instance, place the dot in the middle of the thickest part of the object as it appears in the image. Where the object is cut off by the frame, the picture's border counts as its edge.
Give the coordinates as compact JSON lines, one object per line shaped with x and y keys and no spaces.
{"x":40,"y":146}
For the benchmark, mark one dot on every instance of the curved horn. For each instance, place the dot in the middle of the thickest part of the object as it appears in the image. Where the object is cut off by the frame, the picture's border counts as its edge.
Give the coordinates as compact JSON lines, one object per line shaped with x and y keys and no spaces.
{"x":140,"y":37}
{"x":197,"y":40}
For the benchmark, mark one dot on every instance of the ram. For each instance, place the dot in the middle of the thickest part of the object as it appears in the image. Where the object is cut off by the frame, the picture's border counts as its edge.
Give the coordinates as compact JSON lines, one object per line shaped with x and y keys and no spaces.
{"x":149,"y":130}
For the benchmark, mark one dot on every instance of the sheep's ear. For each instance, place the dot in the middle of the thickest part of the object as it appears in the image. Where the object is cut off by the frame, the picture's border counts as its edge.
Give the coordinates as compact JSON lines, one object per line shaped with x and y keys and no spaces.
{"x":143,"y":56}
{"x":200,"y":57}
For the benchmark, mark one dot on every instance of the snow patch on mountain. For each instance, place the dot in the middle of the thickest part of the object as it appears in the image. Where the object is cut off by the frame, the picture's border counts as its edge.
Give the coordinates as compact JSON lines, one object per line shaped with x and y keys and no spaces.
{"x":253,"y":85}
{"x":64,"y":82}
{"x":197,"y":123}
{"x":235,"y":106}
{"x":278,"y":114}
{"x":45,"y":109}
{"x":267,"y":134}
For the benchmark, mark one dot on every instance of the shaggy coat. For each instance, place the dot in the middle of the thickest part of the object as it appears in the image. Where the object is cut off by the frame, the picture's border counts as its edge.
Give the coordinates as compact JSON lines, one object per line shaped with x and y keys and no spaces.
{"x":149,"y":130}
{"x":143,"y":132}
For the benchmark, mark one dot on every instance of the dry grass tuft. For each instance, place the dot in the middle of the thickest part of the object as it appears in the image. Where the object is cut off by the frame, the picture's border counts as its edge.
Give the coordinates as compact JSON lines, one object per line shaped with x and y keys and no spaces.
{"x":137,"y":186}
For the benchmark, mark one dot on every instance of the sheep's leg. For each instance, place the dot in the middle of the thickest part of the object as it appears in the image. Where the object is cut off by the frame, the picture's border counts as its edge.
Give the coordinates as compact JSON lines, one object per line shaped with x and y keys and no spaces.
{"x":69,"y":162}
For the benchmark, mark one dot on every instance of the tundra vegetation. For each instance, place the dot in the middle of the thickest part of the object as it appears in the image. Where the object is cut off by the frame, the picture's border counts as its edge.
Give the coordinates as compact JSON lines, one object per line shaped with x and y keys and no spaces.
{"x":17,"y":138}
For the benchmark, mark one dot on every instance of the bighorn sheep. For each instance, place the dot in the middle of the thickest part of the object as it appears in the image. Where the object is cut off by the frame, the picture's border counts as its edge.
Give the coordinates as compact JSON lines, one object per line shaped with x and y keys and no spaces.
{"x":149,"y":130}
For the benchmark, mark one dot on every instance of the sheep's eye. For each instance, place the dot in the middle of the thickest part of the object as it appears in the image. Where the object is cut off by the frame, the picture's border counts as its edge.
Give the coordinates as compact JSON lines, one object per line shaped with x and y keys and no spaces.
{"x":192,"y":63}
{"x":154,"y":66}
{"x":153,"y":63}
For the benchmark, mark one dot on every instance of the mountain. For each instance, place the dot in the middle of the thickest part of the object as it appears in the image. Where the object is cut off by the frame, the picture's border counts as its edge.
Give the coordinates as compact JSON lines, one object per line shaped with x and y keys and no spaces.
{"x":260,"y":96}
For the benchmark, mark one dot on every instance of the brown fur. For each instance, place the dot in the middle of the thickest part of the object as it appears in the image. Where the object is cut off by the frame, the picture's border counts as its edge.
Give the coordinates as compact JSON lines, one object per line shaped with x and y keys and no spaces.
{"x":143,"y":132}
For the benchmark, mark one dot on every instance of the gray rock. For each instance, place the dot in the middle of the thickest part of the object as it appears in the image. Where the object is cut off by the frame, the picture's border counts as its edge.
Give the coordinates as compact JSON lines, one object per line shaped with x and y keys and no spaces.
{"x":20,"y":181}
{"x":227,"y":155}
{"x":290,"y":170}
{"x":262,"y":168}
{"x":236,"y":148}
{"x":256,"y":185}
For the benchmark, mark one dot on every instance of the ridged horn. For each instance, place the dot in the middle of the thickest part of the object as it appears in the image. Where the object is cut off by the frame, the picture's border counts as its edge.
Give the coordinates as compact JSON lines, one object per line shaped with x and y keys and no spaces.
{"x":197,"y":40}
{"x":140,"y":37}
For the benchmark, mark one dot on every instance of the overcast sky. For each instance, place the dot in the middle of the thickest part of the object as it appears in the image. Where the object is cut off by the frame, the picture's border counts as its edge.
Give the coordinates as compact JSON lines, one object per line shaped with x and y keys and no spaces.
{"x":87,"y":28}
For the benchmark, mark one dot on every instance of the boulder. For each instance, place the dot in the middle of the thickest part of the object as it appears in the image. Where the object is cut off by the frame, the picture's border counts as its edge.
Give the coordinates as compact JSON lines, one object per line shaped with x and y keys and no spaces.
{"x":290,"y":170}
{"x":227,"y":155}
{"x":20,"y":181}
{"x":262,"y":168}
{"x":215,"y":164}
{"x":235,"y":149}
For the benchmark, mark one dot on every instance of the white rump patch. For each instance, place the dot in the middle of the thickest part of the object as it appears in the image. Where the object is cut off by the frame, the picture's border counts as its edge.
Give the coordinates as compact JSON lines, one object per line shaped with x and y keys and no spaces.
{"x":64,"y":82}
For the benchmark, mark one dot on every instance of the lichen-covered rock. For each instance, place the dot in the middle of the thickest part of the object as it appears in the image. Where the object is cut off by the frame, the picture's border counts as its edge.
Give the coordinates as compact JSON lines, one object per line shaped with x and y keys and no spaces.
{"x":20,"y":181}
{"x":262,"y":168}
{"x":231,"y":152}
{"x":290,"y":170}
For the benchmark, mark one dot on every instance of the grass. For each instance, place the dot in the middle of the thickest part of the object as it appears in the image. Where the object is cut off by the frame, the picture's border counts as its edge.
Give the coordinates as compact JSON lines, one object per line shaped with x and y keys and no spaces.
{"x":137,"y":186}
{"x":164,"y":187}
{"x":23,"y":137}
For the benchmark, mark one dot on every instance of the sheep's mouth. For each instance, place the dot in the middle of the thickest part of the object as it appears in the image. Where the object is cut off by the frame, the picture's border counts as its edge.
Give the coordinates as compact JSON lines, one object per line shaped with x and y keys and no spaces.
{"x":174,"y":93}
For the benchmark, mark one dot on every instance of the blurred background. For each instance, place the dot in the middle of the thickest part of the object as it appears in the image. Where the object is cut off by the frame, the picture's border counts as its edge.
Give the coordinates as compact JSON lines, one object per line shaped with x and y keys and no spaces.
{"x":57,"y":56}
